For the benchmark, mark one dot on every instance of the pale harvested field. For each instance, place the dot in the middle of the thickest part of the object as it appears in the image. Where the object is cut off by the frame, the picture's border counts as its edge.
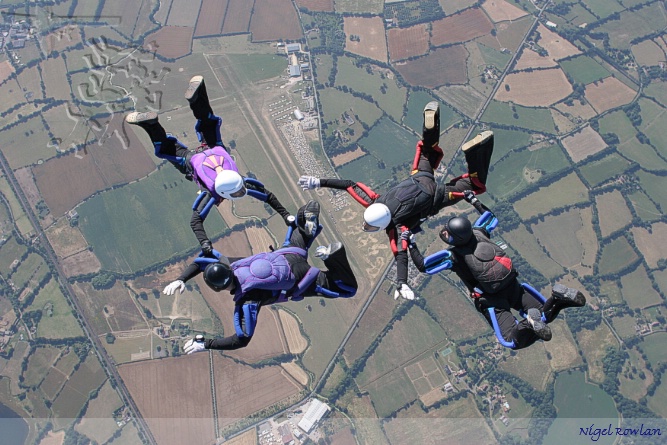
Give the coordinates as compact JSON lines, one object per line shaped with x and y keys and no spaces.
{"x":55,"y":81}
{"x":577,"y":110}
{"x":53,"y":438}
{"x":407,"y":42}
{"x":6,"y":70}
{"x":594,"y":344}
{"x":535,"y":89}
{"x":65,"y":239}
{"x":464,"y":98}
{"x":583,"y":144}
{"x":348,"y":156}
{"x":296,"y":372}
{"x":172,"y":41}
{"x":462,"y":27}
{"x":500,"y":10}
{"x":81,"y":263}
{"x":608,"y":93}
{"x":274,"y":20}
{"x":174,"y":396}
{"x":557,"y":47}
{"x":530,"y":59}
{"x":62,"y":38}
{"x":183,"y":12}
{"x":648,"y":53}
{"x":316,"y":5}
{"x":563,"y":349}
{"x":26,"y":180}
{"x":210,"y":19}
{"x":662,"y":43}
{"x":234,"y":245}
{"x":555,"y":234}
{"x":564,"y":123}
{"x":295,"y":341}
{"x":242,"y":390}
{"x":652,"y":244}
{"x":225,"y":210}
{"x":441,"y":66}
{"x":98,"y":423}
{"x":247,"y":438}
{"x":613,"y":212}
{"x":372,"y":43}
{"x":259,"y":238}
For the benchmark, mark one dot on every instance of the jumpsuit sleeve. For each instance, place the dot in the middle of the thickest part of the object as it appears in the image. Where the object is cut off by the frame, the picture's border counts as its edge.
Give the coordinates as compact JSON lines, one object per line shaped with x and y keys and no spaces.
{"x":189,"y":273}
{"x":227,"y":343}
{"x":275,"y":204}
{"x":417,"y":257}
{"x":197,"y":226}
{"x":333,"y":183}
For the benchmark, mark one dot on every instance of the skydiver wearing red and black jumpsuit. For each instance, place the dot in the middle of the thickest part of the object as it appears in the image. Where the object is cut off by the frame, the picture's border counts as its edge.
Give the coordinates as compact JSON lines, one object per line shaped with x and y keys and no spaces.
{"x":406,"y":205}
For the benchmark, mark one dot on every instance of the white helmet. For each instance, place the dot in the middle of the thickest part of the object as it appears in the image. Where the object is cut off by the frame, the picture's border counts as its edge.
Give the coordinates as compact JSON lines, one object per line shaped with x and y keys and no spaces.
{"x":376,"y":217}
{"x":229,"y":184}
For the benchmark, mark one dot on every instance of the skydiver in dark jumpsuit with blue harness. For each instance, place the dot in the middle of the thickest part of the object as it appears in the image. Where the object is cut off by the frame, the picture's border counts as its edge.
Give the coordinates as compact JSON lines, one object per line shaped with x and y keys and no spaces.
{"x":272,"y":277}
{"x":491,"y":280}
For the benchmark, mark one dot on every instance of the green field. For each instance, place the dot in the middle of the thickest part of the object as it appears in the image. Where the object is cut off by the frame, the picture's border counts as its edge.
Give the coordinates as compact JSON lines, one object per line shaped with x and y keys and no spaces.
{"x":255,"y":67}
{"x":564,"y":192}
{"x":524,"y":242}
{"x":661,"y":280}
{"x":633,"y":24}
{"x":618,"y":123}
{"x":534,"y":119}
{"x":359,"y":6}
{"x":122,"y":349}
{"x":193,"y":308}
{"x":409,"y":337}
{"x":334,"y":103}
{"x":579,"y":404}
{"x":654,"y":347}
{"x":530,"y":364}
{"x":358,"y":79}
{"x":579,"y":15}
{"x":33,"y":267}
{"x":658,"y":401}
{"x":601,"y":170}
{"x":494,"y":57}
{"x":52,"y":383}
{"x":9,"y":252}
{"x":658,"y":91}
{"x":57,"y":320}
{"x":414,"y":117}
{"x":654,"y":186}
{"x":654,"y":124}
{"x":391,"y":392}
{"x":584,"y":69}
{"x":323,"y":67}
{"x":20,"y":218}
{"x":637,"y":289}
{"x":504,"y":141}
{"x":604,"y":8}
{"x":624,"y":326}
{"x":392,"y":144}
{"x":520,"y":169}
{"x":615,"y":256}
{"x":366,"y":169}
{"x":143,"y":223}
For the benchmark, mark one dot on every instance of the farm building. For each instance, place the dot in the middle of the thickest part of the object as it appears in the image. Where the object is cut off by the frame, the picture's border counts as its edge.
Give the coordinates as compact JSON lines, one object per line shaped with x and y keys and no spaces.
{"x":298,"y":114}
{"x":292,"y":48}
{"x":316,"y":410}
{"x":294,"y":71}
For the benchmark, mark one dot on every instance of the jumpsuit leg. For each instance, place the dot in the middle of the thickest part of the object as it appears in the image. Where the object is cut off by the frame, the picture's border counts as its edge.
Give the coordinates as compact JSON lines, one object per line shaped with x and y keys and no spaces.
{"x":208,"y":124}
{"x":339,"y":271}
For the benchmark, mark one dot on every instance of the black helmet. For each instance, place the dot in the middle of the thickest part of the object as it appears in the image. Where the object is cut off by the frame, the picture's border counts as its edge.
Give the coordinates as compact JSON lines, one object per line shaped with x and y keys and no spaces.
{"x":307,"y":218}
{"x":457,"y":231}
{"x":218,"y":276}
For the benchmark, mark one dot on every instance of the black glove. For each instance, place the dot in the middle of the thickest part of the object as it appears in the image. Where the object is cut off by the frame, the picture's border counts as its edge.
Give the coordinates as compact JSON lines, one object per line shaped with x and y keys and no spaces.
{"x":207,"y":248}
{"x":469,"y":196}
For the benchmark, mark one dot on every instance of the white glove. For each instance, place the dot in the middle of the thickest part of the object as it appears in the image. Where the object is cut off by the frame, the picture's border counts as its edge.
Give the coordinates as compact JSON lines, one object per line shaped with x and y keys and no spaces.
{"x":405,"y":292}
{"x":322,"y":252}
{"x":309,"y":182}
{"x":171,"y":288}
{"x":196,"y":344}
{"x":408,"y":236}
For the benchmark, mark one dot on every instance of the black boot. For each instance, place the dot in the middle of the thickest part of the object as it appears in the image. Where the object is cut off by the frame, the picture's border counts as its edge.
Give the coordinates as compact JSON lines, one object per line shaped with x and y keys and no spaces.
{"x":431,"y":124}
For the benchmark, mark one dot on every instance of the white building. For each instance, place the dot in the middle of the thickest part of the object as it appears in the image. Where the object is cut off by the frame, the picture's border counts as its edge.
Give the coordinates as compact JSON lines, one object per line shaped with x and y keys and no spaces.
{"x":316,"y":410}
